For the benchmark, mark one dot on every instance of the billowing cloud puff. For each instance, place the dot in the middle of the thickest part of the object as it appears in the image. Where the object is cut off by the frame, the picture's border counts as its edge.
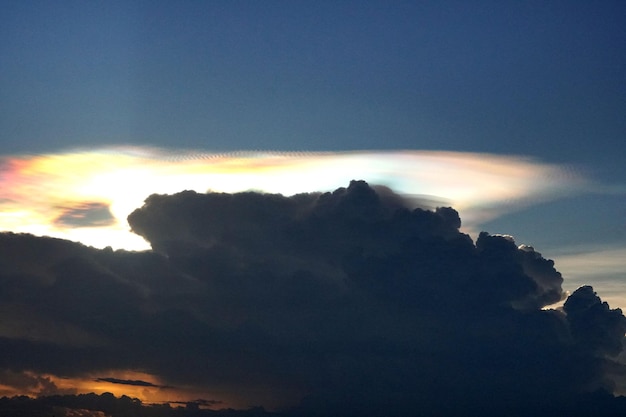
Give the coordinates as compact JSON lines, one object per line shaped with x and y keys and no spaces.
{"x":349,"y":302}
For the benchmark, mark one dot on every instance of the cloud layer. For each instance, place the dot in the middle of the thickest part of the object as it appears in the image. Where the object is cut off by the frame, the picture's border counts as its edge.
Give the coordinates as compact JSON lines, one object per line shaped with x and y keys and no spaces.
{"x":349,"y":302}
{"x":86,"y":196}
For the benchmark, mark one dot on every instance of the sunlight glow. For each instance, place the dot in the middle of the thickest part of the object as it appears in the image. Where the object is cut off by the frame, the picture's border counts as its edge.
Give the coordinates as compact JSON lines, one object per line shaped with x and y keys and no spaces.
{"x":601,"y":266}
{"x":67,"y":195}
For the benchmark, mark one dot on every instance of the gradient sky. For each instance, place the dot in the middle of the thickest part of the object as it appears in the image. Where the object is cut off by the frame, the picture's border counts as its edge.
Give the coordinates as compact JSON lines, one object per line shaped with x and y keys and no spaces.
{"x":542,"y":84}
{"x":530,"y":78}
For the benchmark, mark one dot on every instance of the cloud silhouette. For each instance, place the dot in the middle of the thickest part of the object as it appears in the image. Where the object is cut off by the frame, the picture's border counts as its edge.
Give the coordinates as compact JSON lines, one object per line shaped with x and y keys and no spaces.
{"x":136,"y":382}
{"x":347,"y":302}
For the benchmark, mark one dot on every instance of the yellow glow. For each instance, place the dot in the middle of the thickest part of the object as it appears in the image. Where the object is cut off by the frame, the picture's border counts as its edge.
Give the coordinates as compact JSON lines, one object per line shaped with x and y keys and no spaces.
{"x":36,"y":190}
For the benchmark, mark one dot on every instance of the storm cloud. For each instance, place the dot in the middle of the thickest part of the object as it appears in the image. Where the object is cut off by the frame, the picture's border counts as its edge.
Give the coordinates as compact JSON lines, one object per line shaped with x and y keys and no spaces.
{"x":347,"y":302}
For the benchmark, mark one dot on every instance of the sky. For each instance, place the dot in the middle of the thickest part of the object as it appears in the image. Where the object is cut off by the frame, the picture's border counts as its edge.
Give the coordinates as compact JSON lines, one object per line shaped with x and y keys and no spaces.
{"x":510,"y":112}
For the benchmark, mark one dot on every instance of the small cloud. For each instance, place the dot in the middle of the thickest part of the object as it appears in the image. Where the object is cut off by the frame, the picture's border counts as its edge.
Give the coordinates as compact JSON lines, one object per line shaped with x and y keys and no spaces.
{"x":86,"y":214}
{"x":129,"y":382}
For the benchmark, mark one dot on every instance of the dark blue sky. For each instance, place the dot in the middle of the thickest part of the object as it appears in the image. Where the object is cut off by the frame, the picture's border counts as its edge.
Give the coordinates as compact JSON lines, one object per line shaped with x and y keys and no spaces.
{"x":538,"y":78}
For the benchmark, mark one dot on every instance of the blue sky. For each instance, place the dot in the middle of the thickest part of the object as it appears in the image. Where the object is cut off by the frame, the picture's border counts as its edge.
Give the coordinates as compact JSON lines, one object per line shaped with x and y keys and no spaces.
{"x":545,"y":80}
{"x":532,"y":78}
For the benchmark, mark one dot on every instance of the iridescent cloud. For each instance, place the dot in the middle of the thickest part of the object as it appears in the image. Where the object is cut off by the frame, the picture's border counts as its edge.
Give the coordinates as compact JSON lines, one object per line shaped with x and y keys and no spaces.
{"x":86,"y":195}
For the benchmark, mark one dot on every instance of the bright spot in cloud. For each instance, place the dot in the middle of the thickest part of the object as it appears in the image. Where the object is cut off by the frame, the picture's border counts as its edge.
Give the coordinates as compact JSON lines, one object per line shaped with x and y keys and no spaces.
{"x":86,"y":196}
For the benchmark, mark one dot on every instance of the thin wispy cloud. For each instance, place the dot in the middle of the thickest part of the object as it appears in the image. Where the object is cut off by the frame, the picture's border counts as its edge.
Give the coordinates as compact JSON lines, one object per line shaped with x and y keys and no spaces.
{"x":602,"y":266}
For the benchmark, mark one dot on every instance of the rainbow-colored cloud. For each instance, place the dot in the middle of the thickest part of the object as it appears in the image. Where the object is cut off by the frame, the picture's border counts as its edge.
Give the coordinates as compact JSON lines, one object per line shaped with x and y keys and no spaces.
{"x":86,"y":195}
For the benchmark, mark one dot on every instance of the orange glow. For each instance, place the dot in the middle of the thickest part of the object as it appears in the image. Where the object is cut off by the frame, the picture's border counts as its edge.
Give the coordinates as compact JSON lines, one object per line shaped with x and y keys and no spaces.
{"x":157,"y":392}
{"x":86,"y":195}
{"x":149,"y":388}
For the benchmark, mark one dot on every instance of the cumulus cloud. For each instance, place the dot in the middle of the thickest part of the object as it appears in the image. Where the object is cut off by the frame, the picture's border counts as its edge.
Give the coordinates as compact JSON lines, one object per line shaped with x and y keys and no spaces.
{"x":348,"y":302}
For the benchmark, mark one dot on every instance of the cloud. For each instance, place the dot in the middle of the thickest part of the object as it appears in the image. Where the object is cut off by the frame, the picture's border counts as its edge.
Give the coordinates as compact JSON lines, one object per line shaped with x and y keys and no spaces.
{"x":604,"y":267}
{"x":349,"y":302}
{"x":593,"y":324}
{"x":85,"y":214}
{"x":28,"y":383}
{"x":86,"y":195}
{"x":135,"y":382}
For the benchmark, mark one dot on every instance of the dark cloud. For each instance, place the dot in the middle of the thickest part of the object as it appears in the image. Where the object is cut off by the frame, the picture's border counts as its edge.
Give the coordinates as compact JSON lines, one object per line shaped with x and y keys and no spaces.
{"x":86,"y":214}
{"x":135,"y":382}
{"x":595,"y":327}
{"x":348,"y":302}
{"x":29,"y":383}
